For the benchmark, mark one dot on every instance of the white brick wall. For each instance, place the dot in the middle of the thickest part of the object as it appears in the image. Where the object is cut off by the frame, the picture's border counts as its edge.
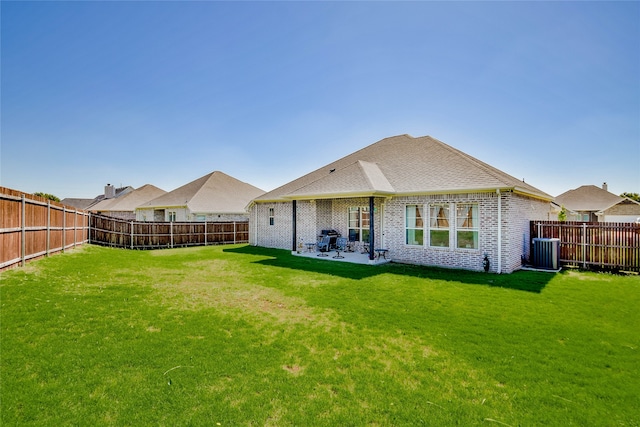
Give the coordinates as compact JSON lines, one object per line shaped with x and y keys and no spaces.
{"x":389,"y":222}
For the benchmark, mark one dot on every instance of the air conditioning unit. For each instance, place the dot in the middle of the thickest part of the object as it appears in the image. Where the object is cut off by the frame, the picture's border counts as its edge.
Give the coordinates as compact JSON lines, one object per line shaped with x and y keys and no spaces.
{"x":546,"y":253}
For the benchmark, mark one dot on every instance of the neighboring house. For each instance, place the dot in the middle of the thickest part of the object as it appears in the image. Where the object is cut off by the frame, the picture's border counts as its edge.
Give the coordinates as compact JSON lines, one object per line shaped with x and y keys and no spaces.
{"x":110,"y":192}
{"x":570,"y":214}
{"x":595,"y":204}
{"x":626,"y":210}
{"x":425,"y":201}
{"x":124,"y":206}
{"x":78,"y":203}
{"x":213,"y":197}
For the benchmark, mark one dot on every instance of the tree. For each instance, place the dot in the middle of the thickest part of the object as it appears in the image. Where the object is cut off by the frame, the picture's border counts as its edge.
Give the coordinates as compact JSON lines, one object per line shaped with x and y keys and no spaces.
{"x":47,"y":196}
{"x":632,"y":196}
{"x":562,"y":215}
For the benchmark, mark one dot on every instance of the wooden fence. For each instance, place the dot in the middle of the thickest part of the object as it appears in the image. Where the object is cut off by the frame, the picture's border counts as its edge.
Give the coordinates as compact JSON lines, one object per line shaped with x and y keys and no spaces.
{"x":109,"y":231}
{"x":600,"y":245}
{"x":32,"y":227}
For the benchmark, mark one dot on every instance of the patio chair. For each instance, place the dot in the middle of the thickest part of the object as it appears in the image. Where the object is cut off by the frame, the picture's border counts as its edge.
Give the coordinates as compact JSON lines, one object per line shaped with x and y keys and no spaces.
{"x":323,"y":245}
{"x":341,"y":246}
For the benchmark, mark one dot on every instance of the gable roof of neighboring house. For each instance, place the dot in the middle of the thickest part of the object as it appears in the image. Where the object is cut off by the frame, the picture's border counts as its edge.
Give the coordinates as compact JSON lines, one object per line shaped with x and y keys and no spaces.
{"x":588,"y":198}
{"x":401,"y":165}
{"x":130,"y":201}
{"x":626,"y":206}
{"x":88,"y":204}
{"x":78,"y":203}
{"x":216,"y":192}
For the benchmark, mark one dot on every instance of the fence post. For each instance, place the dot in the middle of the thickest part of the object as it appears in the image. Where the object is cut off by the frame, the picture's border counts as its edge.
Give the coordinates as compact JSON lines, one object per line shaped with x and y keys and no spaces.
{"x":75,"y":228}
{"x":171,"y":232}
{"x":48,"y":227}
{"x":205,"y":232}
{"x":64,"y":227}
{"x":131,"y":234}
{"x":584,"y":245}
{"x":23,"y":235}
{"x":235,"y":232}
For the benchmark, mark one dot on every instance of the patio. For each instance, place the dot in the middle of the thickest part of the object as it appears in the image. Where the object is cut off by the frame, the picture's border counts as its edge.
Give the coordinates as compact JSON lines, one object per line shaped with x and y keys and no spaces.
{"x":355,"y":257}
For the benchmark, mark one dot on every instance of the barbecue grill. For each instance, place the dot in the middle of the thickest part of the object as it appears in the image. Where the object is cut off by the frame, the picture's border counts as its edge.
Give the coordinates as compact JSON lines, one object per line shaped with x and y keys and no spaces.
{"x":333,"y":235}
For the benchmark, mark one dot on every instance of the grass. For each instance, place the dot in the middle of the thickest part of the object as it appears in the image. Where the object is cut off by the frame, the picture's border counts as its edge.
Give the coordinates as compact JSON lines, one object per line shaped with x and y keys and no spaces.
{"x":243,"y":336}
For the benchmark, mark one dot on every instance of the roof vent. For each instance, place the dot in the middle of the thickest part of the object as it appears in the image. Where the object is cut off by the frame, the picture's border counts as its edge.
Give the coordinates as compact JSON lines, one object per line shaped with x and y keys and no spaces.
{"x":604,"y":186}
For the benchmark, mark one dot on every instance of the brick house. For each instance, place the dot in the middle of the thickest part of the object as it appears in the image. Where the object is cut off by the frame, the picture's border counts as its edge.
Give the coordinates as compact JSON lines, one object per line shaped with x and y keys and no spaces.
{"x":123,"y":206}
{"x":595,"y":204}
{"x":423,"y":200}
{"x":213,"y":197}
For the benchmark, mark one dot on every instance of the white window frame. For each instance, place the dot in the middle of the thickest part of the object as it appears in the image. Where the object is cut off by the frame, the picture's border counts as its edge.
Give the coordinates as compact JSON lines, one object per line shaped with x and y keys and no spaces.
{"x":360,"y":220}
{"x":272,"y":216}
{"x":434,"y":224}
{"x":415,"y":226}
{"x":463,"y":225}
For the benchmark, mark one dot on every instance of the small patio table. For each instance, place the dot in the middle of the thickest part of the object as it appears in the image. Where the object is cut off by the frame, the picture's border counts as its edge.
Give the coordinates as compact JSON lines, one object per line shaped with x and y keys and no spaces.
{"x":310,"y":246}
{"x":382,"y":252}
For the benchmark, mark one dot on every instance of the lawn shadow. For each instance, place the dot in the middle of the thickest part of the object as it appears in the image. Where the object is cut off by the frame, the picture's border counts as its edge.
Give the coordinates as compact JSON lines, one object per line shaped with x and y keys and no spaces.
{"x":529,"y":281}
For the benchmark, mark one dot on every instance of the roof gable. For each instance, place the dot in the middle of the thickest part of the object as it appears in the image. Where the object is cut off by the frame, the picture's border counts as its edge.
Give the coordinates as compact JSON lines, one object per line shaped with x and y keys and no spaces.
{"x":216,"y":192}
{"x":357,"y":179}
{"x":129,"y":201}
{"x":588,"y":198}
{"x":403,"y":165}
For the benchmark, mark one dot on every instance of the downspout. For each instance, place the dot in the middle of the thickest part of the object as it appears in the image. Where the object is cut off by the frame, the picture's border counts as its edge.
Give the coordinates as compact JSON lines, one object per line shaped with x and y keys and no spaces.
{"x":499,"y":231}
{"x":372,"y":237}
{"x":293,"y":222}
{"x":255,"y":225}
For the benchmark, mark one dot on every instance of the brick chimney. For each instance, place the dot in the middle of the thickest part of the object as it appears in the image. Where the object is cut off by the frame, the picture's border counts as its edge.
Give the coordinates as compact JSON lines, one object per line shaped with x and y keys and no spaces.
{"x":109,"y":191}
{"x":604,"y":186}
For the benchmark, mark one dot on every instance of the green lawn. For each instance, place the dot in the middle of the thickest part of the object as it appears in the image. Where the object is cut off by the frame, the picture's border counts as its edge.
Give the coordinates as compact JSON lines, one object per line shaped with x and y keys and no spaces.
{"x":242,"y":336}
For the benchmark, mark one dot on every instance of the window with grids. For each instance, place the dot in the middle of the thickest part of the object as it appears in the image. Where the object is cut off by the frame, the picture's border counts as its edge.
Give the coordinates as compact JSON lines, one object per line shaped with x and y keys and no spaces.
{"x":271,"y":216}
{"x":414,"y":225}
{"x":467,"y":225}
{"x":439,"y":225}
{"x":359,"y":224}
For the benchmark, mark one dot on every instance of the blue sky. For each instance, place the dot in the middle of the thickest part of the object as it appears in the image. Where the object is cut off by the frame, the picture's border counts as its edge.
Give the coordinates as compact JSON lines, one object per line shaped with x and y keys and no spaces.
{"x":165,"y":92}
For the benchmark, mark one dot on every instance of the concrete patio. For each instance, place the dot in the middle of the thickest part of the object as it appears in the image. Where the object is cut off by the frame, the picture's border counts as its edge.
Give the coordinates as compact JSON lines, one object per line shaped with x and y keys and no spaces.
{"x":355,"y":257}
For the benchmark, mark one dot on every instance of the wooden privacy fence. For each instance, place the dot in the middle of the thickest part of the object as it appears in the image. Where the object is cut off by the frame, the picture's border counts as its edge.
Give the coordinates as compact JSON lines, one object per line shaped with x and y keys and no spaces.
{"x":603,"y":245}
{"x":32,"y":227}
{"x":109,"y":231}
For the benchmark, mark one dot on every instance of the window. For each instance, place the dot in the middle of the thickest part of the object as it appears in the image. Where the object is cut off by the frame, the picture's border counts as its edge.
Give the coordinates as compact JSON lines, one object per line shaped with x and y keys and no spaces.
{"x":271,"y":216}
{"x":172,"y":216}
{"x":359,"y":224}
{"x":439,"y":225}
{"x":467,"y":226}
{"x":414,"y":225}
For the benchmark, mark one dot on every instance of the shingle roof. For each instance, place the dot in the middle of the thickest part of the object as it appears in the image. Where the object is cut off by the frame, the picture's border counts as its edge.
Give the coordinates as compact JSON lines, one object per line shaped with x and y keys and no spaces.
{"x":130,"y":201}
{"x":216,"y":192}
{"x":78,"y":203}
{"x":401,"y":165}
{"x":588,"y":198}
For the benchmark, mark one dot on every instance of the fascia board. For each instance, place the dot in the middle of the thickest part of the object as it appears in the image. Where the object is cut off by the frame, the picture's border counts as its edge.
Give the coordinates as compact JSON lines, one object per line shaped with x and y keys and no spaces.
{"x":162,"y":207}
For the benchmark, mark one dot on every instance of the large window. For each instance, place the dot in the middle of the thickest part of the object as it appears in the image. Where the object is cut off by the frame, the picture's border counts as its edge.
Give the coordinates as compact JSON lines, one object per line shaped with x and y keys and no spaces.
{"x":359,"y":224}
{"x":439,"y":225}
{"x":467,"y":225}
{"x":414,"y":225}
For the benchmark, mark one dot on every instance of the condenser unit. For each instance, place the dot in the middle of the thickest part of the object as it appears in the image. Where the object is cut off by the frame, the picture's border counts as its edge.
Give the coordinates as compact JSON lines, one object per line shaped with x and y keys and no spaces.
{"x":546,"y":253}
